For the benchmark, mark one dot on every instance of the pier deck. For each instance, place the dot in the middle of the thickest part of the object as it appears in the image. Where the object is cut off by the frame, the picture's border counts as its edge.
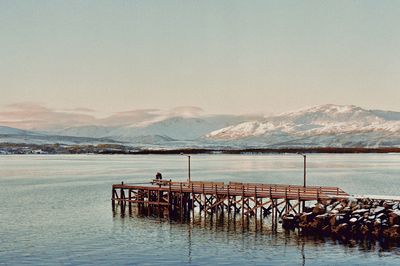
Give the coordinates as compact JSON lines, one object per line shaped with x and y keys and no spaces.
{"x":169,"y":198}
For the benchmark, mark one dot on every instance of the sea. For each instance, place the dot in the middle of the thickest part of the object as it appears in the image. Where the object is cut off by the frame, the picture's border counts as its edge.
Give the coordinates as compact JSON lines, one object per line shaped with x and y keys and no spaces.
{"x":56,"y":210}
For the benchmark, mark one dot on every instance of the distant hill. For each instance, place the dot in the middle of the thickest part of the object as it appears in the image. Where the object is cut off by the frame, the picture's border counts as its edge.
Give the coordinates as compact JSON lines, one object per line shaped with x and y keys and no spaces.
{"x":319,"y":126}
{"x":14,"y":135}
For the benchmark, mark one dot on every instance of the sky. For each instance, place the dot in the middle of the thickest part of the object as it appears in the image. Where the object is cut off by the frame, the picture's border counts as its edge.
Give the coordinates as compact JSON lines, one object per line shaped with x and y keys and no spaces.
{"x":102,"y":58}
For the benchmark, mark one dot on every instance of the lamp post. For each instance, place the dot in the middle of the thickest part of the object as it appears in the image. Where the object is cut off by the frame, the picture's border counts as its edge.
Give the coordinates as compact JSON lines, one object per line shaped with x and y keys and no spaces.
{"x":304,"y":168}
{"x":188,"y":156}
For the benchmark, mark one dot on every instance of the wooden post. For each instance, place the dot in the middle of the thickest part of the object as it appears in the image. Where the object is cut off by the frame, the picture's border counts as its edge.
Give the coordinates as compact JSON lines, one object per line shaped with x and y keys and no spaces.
{"x":216,"y":201}
{"x":112,"y":199}
{"x":158,"y":202}
{"x":192,"y":202}
{"x":169,"y":200}
{"x":129,"y":202}
{"x":255,"y":206}
{"x":122,"y":200}
{"x":276,"y":213}
{"x":273,"y":211}
{"x":298,"y":198}
{"x":148,"y":202}
{"x":270,"y":193}
{"x":286,"y":201}
{"x":181,"y":201}
{"x":205,"y":203}
{"x":261,"y":212}
{"x":229,"y":202}
{"x":242,"y":205}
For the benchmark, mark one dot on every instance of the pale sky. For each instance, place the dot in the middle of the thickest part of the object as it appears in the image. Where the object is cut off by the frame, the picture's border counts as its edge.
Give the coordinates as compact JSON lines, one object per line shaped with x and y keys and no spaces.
{"x":223,"y":56}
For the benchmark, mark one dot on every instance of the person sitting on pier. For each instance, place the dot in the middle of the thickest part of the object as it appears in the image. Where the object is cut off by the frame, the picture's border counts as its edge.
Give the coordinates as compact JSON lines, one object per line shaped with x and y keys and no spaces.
{"x":158,"y":176}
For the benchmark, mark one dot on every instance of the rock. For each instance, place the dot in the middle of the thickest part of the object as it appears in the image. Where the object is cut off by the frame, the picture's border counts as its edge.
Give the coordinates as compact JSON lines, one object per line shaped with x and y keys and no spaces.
{"x":393,"y":218}
{"x":341,"y":229}
{"x":347,"y":219}
{"x":322,"y":216}
{"x":388,"y":204}
{"x":332,"y":206}
{"x":318,"y":209}
{"x":360,"y":211}
{"x":308,"y":209}
{"x":334,"y":212}
{"x":352,"y":203}
{"x":381,"y":216}
{"x":376,"y":232}
{"x":364,"y":229}
{"x":378,"y":210}
{"x":288,"y":221}
{"x":340,"y":219}
{"x":306,"y":217}
{"x":392,"y":232}
{"x":346,"y":210}
{"x":353,"y":220}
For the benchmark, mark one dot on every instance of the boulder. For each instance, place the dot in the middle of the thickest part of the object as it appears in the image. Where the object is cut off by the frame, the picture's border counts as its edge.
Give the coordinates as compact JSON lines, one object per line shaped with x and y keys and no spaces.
{"x":341,"y":229}
{"x":393,"y":218}
{"x":360,"y":211}
{"x":306,"y":217}
{"x":288,"y":221}
{"x":379,"y":209}
{"x":318,"y":209}
{"x":392,"y":232}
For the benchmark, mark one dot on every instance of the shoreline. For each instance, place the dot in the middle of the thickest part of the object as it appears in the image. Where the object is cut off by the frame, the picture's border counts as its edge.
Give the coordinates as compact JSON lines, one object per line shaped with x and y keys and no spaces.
{"x":23,"y":148}
{"x":326,"y":150}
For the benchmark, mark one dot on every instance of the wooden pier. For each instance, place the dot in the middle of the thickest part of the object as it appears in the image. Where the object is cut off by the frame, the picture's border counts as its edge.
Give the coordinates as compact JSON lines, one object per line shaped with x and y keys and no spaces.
{"x":182,"y":199}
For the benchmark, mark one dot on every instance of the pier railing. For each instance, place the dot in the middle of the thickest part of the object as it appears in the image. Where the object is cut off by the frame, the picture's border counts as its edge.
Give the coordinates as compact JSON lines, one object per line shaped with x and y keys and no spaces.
{"x":280,"y":191}
{"x":180,"y":199}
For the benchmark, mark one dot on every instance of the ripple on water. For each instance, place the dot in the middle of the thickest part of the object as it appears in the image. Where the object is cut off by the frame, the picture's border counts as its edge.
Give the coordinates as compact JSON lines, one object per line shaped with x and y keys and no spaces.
{"x":57,"y":210}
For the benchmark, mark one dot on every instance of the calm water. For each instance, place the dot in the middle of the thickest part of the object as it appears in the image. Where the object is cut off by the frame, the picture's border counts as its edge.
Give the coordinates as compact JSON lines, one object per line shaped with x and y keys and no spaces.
{"x":57,"y":210}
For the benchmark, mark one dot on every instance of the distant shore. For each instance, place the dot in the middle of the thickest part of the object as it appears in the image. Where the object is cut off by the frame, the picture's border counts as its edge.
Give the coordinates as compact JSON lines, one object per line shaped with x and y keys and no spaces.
{"x":271,"y":151}
{"x":22,"y":148}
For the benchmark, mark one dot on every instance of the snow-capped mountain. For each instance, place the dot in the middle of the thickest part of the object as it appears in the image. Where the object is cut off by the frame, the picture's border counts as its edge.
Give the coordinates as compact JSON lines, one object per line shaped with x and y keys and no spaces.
{"x":170,"y":129}
{"x":324,"y":125}
{"x":320,"y":126}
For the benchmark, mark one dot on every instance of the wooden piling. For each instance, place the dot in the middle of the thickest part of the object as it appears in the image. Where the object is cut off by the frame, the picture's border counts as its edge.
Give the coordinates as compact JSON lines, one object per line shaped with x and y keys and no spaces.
{"x":250,"y":199}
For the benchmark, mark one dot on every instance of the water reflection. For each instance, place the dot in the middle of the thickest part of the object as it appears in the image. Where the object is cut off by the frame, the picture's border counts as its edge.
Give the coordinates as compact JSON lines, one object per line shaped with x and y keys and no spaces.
{"x":60,"y":212}
{"x":263,"y":233}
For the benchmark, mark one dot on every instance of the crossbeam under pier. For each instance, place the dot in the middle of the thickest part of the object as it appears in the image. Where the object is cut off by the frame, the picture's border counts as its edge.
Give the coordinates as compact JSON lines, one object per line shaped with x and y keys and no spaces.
{"x":181,"y":199}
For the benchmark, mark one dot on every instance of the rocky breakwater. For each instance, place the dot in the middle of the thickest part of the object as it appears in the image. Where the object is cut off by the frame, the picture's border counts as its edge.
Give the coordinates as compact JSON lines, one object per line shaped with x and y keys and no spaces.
{"x":349,"y":219}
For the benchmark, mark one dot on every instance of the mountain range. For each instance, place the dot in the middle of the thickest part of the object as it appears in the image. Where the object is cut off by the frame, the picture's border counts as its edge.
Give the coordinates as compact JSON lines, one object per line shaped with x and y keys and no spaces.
{"x":319,"y":126}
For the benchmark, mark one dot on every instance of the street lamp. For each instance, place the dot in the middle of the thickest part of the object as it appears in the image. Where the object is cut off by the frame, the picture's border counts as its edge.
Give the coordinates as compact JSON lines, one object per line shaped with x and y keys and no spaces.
{"x":188,"y":156}
{"x":304,"y":168}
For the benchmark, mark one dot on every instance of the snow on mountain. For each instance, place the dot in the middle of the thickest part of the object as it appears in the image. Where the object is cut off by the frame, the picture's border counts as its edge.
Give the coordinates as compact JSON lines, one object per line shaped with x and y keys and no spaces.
{"x":318,"y":126}
{"x":324,"y":125}
{"x":242,"y":130}
{"x":169,"y":129}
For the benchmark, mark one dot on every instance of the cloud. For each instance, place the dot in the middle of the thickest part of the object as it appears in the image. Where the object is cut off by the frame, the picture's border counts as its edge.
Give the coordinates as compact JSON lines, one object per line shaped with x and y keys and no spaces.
{"x":80,"y":110}
{"x":185,"y":111}
{"x":130,"y":118}
{"x":36,"y":116}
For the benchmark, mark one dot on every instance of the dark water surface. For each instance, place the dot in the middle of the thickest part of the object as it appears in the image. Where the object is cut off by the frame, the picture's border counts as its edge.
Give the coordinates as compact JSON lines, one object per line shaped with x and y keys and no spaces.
{"x":57,"y":210}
